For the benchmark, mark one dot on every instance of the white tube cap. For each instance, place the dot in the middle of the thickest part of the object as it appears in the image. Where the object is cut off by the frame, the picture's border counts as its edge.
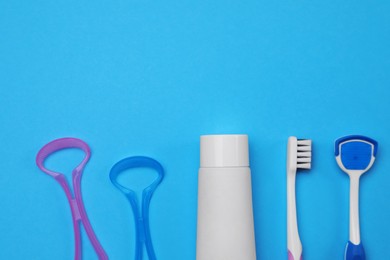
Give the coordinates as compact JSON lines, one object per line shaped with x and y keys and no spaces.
{"x":224,"y":151}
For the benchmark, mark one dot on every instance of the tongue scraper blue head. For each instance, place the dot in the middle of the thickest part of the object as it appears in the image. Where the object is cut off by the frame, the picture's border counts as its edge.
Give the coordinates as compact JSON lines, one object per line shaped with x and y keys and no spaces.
{"x":355,"y":155}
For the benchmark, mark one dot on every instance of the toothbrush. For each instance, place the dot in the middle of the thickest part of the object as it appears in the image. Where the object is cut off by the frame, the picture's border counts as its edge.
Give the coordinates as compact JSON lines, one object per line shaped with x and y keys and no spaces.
{"x":298,"y":157}
{"x":355,"y":155}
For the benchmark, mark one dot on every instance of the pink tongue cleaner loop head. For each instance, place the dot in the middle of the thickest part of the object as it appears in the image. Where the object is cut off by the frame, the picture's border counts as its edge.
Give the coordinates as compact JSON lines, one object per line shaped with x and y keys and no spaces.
{"x":76,"y":202}
{"x":61,"y":144}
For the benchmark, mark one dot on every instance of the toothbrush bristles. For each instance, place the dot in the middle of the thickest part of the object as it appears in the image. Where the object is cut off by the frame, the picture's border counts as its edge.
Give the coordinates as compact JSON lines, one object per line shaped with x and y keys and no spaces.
{"x":306,"y":142}
{"x":304,"y":165}
{"x":304,"y":154}
{"x":303,"y":159}
{"x":304,"y":148}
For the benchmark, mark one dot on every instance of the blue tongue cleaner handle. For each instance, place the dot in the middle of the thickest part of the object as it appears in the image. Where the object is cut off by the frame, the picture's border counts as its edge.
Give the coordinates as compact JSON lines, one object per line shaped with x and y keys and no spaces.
{"x":355,"y":155}
{"x":141,"y":218}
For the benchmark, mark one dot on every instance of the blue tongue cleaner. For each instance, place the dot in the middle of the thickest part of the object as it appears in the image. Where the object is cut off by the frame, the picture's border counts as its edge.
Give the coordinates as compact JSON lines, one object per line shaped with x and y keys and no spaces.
{"x":356,"y":152}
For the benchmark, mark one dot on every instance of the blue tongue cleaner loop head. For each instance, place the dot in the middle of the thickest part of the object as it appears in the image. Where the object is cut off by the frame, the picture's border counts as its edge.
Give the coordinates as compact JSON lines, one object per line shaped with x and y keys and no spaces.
{"x":355,"y":152}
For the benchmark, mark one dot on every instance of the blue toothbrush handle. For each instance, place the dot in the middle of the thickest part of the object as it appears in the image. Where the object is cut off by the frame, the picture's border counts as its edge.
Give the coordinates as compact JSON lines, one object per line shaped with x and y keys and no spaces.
{"x":354,"y":252}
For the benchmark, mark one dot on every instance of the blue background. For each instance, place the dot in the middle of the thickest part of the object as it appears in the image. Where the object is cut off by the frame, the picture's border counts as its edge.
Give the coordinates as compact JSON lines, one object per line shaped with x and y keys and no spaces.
{"x":149,"y":77}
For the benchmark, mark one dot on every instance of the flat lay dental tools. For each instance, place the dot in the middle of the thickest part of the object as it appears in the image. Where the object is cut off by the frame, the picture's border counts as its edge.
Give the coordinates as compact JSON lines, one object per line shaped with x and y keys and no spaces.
{"x":298,"y":157}
{"x":141,"y":216}
{"x":355,"y":155}
{"x":225,"y":222}
{"x":79,"y":214}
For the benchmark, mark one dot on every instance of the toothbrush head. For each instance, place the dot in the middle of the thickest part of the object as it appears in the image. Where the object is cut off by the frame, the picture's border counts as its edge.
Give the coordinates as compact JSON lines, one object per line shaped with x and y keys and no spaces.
{"x":298,"y":154}
{"x":355,"y":154}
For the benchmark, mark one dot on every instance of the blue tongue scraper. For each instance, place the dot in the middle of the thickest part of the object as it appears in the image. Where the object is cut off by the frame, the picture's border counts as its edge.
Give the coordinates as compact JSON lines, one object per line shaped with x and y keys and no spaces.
{"x":141,"y":217}
{"x":355,"y":154}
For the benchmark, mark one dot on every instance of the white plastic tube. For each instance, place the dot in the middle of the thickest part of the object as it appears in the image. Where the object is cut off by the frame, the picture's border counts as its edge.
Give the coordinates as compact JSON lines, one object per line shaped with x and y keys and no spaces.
{"x":225,"y":228}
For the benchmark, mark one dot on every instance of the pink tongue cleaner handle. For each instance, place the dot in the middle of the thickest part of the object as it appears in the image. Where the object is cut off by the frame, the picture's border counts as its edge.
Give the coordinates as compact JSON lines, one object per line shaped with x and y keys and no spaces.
{"x":76,"y":202}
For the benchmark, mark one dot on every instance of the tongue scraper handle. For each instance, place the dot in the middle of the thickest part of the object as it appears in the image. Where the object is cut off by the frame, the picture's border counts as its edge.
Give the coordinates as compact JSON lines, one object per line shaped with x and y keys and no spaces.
{"x":354,"y":249}
{"x":141,"y":219}
{"x":76,"y":202}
